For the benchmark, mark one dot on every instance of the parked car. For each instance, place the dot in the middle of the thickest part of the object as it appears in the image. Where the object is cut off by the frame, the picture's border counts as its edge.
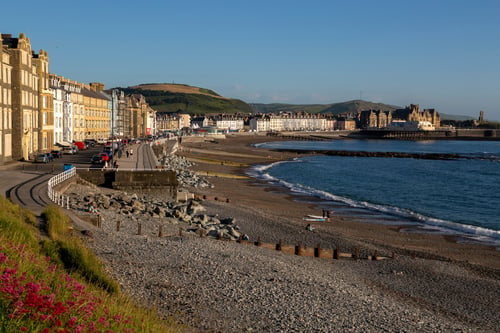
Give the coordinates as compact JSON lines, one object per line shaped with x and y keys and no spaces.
{"x":56,"y":153}
{"x":96,"y":159}
{"x":41,"y":158}
{"x":81,"y":145}
{"x":69,"y":150}
{"x":90,"y":142}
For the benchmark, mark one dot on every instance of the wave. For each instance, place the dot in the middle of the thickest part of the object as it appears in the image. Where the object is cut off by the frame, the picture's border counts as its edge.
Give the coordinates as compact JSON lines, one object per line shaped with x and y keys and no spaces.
{"x":481,"y":234}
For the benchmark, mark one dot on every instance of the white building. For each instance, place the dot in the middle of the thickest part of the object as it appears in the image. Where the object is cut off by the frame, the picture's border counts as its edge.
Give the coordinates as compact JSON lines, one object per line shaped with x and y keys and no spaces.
{"x":403,"y":125}
{"x":288,"y":122}
{"x":229,"y":122}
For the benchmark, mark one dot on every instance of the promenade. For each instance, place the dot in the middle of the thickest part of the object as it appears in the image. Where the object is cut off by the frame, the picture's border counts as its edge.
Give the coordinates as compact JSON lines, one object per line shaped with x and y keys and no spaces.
{"x":25,"y":183}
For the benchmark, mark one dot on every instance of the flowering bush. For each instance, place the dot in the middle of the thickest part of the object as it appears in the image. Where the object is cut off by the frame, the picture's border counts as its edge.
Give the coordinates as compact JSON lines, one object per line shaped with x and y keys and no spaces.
{"x":42,"y":298}
{"x":37,"y":295}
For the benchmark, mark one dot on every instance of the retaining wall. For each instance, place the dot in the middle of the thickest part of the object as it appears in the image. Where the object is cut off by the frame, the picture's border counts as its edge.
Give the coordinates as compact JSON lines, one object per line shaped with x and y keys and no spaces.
{"x":132,"y":179}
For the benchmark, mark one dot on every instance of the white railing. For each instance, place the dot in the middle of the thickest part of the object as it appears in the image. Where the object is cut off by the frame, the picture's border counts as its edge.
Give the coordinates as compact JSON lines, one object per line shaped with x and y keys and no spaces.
{"x":56,"y":196}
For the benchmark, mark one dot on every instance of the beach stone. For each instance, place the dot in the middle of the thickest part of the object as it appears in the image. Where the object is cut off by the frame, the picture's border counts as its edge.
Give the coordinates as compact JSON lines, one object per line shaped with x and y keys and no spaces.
{"x":195,"y":208}
{"x":227,"y":221}
{"x":137,"y":205}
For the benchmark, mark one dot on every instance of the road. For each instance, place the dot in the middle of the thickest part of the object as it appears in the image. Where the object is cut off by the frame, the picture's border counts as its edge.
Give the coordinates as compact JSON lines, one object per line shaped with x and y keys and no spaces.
{"x":25,"y":183}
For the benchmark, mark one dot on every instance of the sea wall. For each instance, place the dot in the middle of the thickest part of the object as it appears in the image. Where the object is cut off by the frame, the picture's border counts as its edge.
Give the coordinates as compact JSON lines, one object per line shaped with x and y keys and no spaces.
{"x":132,"y":179}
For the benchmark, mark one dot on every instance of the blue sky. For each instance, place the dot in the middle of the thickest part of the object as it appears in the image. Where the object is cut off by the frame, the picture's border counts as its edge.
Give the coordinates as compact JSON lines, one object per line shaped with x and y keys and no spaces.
{"x":439,"y":54}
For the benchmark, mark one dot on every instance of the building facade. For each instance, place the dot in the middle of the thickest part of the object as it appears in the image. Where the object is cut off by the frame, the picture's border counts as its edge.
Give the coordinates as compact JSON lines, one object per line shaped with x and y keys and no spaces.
{"x":46,"y":103}
{"x":414,"y":113}
{"x":5,"y":105}
{"x":24,"y":96}
{"x":97,"y":120}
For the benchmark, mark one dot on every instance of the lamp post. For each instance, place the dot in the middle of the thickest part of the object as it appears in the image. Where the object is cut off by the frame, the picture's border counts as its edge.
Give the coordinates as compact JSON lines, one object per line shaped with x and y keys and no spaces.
{"x":113,"y":97}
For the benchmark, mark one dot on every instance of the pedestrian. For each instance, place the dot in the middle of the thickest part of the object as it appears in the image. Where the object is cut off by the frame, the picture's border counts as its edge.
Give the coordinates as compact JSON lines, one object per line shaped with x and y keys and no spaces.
{"x":131,"y":152}
{"x":105,"y":159}
{"x":128,"y":153}
{"x":115,"y":164}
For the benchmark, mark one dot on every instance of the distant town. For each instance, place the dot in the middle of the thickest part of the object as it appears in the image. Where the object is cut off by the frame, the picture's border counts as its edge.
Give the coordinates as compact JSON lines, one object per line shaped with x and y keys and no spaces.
{"x":43,"y":111}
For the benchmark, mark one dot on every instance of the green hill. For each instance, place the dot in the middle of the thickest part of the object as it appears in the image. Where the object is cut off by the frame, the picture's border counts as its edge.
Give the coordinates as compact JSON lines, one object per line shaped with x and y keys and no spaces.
{"x":193,"y":100}
{"x":334,"y":108}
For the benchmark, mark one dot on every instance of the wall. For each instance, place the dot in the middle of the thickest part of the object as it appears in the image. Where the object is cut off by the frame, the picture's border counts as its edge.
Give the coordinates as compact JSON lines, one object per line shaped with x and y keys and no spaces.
{"x":130,"y":180}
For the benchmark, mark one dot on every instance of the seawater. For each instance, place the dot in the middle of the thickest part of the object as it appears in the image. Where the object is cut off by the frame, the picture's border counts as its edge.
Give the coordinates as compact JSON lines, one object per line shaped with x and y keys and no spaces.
{"x":458,"y":197}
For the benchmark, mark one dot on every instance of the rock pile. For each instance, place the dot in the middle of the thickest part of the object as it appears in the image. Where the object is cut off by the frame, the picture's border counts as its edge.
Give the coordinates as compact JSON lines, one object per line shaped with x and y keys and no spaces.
{"x":189,"y":215}
{"x":185,"y":177}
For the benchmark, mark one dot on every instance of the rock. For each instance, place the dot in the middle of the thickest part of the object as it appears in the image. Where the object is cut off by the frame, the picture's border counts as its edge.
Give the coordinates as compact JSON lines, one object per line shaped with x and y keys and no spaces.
{"x":87,"y":233}
{"x":137,"y":205}
{"x":227,"y":221}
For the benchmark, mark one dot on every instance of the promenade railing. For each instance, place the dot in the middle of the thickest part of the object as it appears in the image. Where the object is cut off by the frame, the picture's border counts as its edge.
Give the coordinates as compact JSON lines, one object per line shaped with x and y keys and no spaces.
{"x":58,"y":197}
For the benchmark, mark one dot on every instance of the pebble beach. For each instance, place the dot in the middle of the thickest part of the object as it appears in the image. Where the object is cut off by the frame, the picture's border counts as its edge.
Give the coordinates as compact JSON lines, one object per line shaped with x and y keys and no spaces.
{"x":421,"y":283}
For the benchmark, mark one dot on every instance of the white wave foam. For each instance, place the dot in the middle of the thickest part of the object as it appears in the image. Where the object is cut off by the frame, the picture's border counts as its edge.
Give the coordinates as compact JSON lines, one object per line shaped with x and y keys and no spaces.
{"x":476,"y":232}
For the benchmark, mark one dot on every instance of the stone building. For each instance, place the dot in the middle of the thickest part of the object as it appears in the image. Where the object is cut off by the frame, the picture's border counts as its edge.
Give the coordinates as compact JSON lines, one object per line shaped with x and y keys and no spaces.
{"x":167,"y":121}
{"x":382,"y":119}
{"x":5,"y":104}
{"x":374,"y":119}
{"x":97,"y":111}
{"x":414,"y":113}
{"x":46,"y":103}
{"x":25,"y":96}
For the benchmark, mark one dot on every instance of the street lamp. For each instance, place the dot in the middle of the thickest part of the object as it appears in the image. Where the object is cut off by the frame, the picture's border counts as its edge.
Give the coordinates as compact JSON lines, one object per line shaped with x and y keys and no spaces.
{"x":113,"y":97}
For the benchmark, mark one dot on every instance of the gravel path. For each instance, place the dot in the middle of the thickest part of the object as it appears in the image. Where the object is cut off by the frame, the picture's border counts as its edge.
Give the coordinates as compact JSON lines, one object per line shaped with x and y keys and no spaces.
{"x":223,"y":286}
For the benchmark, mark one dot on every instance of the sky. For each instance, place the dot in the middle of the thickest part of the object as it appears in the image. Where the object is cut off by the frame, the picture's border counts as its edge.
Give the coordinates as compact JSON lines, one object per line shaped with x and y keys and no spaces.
{"x":441,"y":54}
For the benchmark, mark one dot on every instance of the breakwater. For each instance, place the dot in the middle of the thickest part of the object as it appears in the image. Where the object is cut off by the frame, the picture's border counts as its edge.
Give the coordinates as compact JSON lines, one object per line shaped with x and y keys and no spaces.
{"x":428,"y":156}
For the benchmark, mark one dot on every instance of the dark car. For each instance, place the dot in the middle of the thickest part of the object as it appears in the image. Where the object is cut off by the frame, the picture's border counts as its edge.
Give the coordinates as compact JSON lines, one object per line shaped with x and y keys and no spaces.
{"x":56,"y":153}
{"x":90,"y":142}
{"x":96,"y":159}
{"x":41,"y":158}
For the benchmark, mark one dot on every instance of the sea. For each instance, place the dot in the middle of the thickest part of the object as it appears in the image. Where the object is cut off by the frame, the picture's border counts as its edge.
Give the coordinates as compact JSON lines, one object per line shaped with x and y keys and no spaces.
{"x":459,"y":197}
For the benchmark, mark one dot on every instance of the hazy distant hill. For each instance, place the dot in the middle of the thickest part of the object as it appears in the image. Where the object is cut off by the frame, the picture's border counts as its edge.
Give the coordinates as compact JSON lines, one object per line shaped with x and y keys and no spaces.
{"x":188,"y":99}
{"x":445,"y":116}
{"x":335,"y":108}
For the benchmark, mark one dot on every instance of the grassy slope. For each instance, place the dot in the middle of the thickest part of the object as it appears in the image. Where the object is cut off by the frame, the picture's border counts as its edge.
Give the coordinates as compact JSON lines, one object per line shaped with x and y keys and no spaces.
{"x":57,"y":284}
{"x":192,"y":100}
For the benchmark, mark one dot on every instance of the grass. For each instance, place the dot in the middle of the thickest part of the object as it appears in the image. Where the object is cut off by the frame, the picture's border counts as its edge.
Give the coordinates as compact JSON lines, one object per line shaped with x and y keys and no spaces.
{"x":67,"y":291}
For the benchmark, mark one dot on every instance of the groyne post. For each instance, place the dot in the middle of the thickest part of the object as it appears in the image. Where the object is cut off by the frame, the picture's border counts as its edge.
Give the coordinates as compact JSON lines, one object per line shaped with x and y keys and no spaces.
{"x":279,"y":246}
{"x":139,"y":227}
{"x":180,"y":232}
{"x":298,"y":249}
{"x":317,"y":250}
{"x":355,"y":255}
{"x":160,"y":231}
{"x":258,"y":242}
{"x":336,"y":253}
{"x":118,"y":226}
{"x":375,"y":254}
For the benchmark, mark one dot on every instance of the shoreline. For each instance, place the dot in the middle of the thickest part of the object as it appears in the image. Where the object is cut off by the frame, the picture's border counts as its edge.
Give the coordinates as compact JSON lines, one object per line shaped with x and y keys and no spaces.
{"x":232,"y":158}
{"x":211,"y":285}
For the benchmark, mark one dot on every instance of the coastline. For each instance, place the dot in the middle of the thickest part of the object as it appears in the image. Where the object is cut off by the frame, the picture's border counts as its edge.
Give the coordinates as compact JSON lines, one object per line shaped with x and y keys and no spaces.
{"x":225,"y":286}
{"x":227,"y":161}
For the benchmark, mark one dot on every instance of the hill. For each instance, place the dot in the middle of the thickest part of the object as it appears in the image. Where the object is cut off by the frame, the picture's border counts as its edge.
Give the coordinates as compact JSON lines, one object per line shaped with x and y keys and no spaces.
{"x":188,"y":99}
{"x":334,"y":108}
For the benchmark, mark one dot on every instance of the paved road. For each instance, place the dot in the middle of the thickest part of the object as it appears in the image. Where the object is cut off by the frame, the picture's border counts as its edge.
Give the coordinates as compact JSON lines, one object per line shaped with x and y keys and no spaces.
{"x":25,"y":183}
